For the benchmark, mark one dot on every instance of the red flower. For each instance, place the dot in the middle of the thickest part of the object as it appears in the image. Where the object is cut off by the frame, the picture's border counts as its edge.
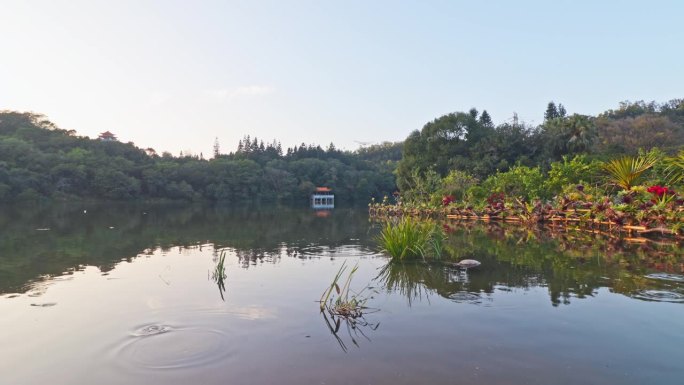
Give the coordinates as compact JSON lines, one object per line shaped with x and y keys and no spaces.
{"x":659,"y":191}
{"x":447,"y":199}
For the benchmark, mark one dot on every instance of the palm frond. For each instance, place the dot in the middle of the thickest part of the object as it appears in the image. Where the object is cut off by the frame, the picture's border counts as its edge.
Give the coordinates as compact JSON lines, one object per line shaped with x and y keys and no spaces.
{"x":675,"y":168}
{"x":627,"y":170}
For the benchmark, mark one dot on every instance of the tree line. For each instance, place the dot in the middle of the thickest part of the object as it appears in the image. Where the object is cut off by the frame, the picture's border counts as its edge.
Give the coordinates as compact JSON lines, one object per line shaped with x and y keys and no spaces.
{"x":470,"y":142}
{"x":40,"y":160}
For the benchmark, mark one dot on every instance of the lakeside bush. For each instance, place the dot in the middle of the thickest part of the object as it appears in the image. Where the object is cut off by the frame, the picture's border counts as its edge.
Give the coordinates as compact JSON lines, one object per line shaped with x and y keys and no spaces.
{"x":612,"y":198}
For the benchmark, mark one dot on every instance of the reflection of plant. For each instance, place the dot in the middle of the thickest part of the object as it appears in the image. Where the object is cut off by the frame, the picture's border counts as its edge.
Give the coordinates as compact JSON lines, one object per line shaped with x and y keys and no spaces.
{"x":219,"y":274}
{"x":625,"y":171}
{"x":409,"y":279}
{"x":354,"y":328}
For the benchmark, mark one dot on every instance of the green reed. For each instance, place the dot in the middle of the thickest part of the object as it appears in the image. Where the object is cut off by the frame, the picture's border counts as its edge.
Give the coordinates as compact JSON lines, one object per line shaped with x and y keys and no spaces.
{"x":219,"y":275}
{"x":408,"y":239}
{"x":343,"y":301}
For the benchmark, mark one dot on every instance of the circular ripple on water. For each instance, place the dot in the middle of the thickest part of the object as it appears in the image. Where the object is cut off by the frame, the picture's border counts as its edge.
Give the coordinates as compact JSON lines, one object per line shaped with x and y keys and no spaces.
{"x":156,"y":347}
{"x":666,"y":277}
{"x":151,"y":330}
{"x":464,"y":296}
{"x":659,"y":296}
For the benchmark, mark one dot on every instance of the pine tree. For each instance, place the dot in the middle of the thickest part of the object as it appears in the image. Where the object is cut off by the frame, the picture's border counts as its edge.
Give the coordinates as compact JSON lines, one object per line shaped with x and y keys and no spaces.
{"x":217,"y":148}
{"x":551,"y":112}
{"x":486,"y":120}
{"x":561,"y":111}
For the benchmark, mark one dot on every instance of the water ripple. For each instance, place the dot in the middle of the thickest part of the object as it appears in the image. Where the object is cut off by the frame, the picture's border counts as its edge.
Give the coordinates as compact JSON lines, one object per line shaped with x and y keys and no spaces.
{"x":659,"y":296}
{"x":151,"y":330}
{"x":467,"y":297}
{"x":666,"y":277}
{"x":157,"y":347}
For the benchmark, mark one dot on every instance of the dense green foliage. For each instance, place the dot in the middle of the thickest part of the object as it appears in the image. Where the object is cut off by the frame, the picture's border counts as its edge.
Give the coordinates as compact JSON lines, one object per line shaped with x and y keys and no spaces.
{"x":465,"y":157}
{"x":39,"y":160}
{"x":471,"y":143}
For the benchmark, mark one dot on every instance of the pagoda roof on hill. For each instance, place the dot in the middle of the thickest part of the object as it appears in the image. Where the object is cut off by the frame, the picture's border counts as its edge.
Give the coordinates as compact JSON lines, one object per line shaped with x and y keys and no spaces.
{"x":107,"y":135}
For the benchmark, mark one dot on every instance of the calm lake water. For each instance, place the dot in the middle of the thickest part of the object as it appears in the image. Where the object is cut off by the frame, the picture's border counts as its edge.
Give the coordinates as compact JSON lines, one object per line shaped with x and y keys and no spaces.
{"x":124,"y":295}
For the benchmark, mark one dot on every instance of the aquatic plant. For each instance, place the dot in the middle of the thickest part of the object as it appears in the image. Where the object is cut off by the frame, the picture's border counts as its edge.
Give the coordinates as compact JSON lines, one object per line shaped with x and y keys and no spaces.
{"x":219,"y":275}
{"x":354,"y":326}
{"x":342,"y":306}
{"x":342,"y":301}
{"x":408,"y":238}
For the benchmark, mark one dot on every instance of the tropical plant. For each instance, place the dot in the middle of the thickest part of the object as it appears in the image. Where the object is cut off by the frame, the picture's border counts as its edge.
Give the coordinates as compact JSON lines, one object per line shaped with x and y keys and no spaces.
{"x":675,"y":168}
{"x":626,"y":171}
{"x":581,"y":132}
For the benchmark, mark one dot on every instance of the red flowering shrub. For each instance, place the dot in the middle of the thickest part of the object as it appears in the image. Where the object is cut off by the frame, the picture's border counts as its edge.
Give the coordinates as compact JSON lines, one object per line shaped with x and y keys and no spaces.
{"x":659,"y":191}
{"x":448,"y":199}
{"x":496,"y":198}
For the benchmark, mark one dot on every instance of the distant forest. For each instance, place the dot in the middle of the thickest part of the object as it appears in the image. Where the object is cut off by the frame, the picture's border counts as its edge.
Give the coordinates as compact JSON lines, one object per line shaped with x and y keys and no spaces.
{"x":39,"y":160}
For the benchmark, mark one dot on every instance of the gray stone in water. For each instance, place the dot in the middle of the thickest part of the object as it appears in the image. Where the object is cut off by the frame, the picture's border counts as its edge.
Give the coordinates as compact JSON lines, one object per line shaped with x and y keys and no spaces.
{"x":468,"y":263}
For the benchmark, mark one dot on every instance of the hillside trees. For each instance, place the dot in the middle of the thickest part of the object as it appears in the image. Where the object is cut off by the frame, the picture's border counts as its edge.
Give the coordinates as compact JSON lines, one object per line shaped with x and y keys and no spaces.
{"x":40,"y":160}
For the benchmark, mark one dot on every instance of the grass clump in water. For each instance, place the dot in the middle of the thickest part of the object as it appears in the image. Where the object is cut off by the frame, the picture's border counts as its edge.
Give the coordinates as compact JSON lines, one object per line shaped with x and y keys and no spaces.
{"x":219,"y":275}
{"x":342,"y":306}
{"x":410,"y":239}
{"x":342,"y":301}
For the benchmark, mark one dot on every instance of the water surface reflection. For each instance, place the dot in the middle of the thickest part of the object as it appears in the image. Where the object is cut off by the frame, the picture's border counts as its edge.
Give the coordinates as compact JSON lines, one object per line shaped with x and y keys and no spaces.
{"x":124,"y":294}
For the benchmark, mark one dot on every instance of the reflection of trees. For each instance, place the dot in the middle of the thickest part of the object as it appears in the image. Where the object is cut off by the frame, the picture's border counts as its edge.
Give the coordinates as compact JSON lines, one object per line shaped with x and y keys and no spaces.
{"x":77,"y":238}
{"x":571,"y":265}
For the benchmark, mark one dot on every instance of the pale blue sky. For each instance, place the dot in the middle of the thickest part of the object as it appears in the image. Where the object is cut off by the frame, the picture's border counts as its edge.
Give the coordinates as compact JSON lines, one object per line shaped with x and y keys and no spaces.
{"x":175,"y":74}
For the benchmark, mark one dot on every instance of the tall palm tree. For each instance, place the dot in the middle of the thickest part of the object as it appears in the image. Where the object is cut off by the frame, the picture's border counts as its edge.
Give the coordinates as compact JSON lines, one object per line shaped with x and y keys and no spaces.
{"x":580,"y":132}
